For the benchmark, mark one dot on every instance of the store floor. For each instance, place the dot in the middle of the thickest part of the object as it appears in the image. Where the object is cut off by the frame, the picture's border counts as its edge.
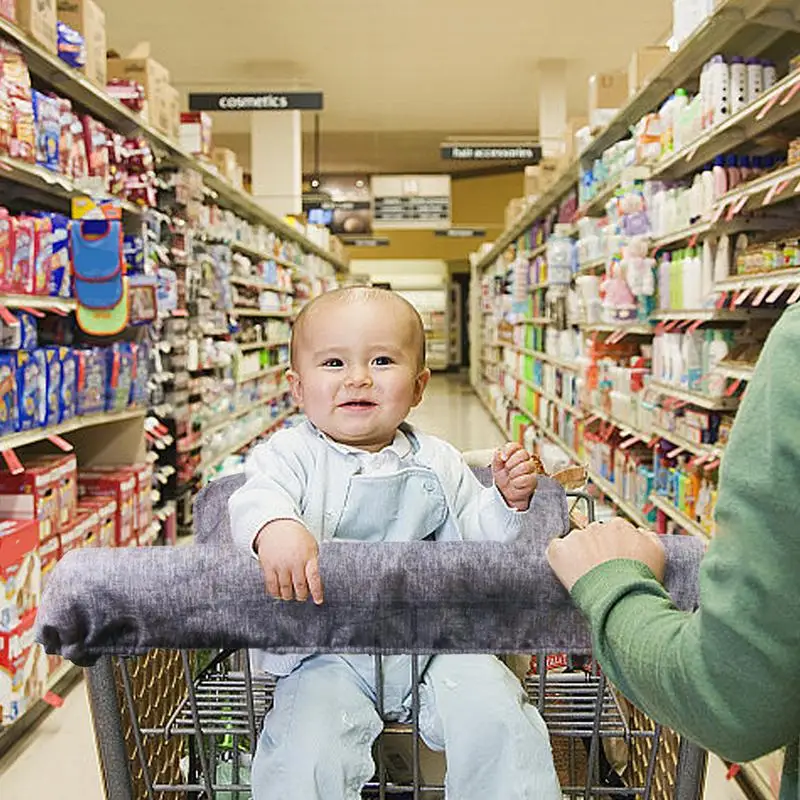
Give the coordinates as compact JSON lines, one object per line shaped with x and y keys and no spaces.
{"x":58,"y":758}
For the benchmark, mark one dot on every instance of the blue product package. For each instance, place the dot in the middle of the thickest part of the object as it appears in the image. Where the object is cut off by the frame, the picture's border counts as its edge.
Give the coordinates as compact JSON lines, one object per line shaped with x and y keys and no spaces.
{"x":133,"y":250}
{"x":47,"y":126}
{"x":31,"y":389}
{"x":60,"y":266}
{"x":69,"y":383}
{"x":139,"y":391}
{"x":120,"y":371}
{"x":71,"y":46}
{"x":91,"y":381}
{"x":54,"y":380}
{"x":8,"y":393}
{"x":28,"y":331}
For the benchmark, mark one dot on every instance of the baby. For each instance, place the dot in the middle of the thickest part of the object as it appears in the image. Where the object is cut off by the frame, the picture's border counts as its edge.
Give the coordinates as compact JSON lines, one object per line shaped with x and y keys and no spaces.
{"x":357,"y":471}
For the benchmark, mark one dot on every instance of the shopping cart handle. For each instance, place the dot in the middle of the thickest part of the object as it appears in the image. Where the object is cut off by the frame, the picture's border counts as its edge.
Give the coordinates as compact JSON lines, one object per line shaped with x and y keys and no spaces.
{"x":420,"y":597}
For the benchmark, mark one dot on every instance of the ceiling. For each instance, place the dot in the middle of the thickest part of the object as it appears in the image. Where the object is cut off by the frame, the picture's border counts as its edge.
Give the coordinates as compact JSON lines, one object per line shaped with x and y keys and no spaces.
{"x":398,"y":76}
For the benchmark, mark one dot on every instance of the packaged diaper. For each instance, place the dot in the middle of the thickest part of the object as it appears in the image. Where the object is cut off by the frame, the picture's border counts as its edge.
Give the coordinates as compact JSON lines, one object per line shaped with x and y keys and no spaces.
{"x":31,"y":388}
{"x":54,"y":377}
{"x":8,"y":393}
{"x":91,"y":381}
{"x":120,"y":367}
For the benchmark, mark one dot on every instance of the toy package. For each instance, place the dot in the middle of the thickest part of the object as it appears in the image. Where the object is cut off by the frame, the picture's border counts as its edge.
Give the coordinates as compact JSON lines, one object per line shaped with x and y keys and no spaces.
{"x":9,"y":401}
{"x":105,"y":507}
{"x":121,"y":366}
{"x":54,"y":380}
{"x":31,"y":389}
{"x":42,"y":254}
{"x":20,"y":571}
{"x":69,"y":383}
{"x":91,"y":381}
{"x":47,"y":124}
{"x":122,"y":487}
{"x":71,"y":46}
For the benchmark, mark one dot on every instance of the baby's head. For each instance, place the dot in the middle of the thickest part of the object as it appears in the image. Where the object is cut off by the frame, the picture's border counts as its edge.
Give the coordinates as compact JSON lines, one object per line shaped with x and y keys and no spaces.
{"x":358,"y":364}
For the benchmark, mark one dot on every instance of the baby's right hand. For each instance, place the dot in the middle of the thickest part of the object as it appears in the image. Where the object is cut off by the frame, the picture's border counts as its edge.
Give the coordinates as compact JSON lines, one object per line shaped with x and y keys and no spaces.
{"x":289,"y":558}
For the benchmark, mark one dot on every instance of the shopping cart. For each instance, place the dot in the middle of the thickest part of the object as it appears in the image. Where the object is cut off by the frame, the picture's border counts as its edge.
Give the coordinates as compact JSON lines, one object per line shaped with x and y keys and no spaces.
{"x":185,"y":722}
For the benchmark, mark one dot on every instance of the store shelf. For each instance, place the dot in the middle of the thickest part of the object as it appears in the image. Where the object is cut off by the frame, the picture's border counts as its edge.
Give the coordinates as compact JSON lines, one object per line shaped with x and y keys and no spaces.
{"x":578,"y":412}
{"x":230,"y":416}
{"x":538,"y":287}
{"x":695,"y":398}
{"x":217,"y":460}
{"x":771,"y":108}
{"x":769,"y":189}
{"x":72,"y":84}
{"x":609,"y":490}
{"x":533,"y":321}
{"x":264,"y":373}
{"x":40,"y":303}
{"x":59,"y":682}
{"x":15,"y":440}
{"x":256,"y":312}
{"x":697,"y":449}
{"x":255,"y":283}
{"x":52,"y":184}
{"x":704,"y":315}
{"x":736,"y":372}
{"x":788,"y":278}
{"x":251,"y":346}
{"x":634,"y":329}
{"x":594,"y":264}
{"x":732,"y":17}
{"x":556,"y":362}
{"x":535,"y":253}
{"x":683,"y":236}
{"x":675,"y":514}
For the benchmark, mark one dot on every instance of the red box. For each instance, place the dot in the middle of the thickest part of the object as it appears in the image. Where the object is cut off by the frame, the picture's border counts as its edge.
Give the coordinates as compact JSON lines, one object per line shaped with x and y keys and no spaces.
{"x":121,"y":486}
{"x":20,"y":571}
{"x":45,"y":491}
{"x":49,"y":555}
{"x":82,"y":529}
{"x":143,"y":506}
{"x":106,"y":509}
{"x":195,"y":133}
{"x":23,"y":669}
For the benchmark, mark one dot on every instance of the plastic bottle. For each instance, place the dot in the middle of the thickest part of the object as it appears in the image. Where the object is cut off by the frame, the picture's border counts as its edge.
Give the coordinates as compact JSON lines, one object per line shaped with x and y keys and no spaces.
{"x":690,"y":284}
{"x":722,"y":260}
{"x":739,"y":86}
{"x":692,"y":360}
{"x":665,"y":114}
{"x":705,"y":96}
{"x":732,"y":172}
{"x":746,"y":169}
{"x":770,"y":75}
{"x":708,"y":190}
{"x":707,"y":275}
{"x":758,"y":166}
{"x":720,"y":91}
{"x":663,"y":281}
{"x":680,"y":103}
{"x":755,"y":79}
{"x":720,"y":177}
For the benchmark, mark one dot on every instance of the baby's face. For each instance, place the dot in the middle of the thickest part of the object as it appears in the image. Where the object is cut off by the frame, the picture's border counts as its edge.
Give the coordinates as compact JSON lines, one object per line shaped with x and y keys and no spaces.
{"x":357,"y":371}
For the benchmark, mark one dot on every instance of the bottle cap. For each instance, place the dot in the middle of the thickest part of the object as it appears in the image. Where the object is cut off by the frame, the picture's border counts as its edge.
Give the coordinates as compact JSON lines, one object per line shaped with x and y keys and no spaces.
{"x":731,"y":161}
{"x":719,"y":161}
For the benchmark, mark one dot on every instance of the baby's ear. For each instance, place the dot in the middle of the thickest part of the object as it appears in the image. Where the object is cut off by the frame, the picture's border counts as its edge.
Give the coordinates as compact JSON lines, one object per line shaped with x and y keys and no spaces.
{"x":420,"y":382}
{"x":296,"y":385}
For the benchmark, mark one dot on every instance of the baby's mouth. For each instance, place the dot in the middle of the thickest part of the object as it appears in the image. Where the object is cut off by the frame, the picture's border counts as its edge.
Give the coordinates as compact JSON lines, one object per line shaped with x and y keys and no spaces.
{"x":358,"y":404}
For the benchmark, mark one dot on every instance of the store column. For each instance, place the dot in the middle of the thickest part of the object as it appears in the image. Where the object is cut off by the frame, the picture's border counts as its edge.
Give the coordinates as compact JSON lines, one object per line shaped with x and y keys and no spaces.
{"x":552,"y":106}
{"x":276,"y":161}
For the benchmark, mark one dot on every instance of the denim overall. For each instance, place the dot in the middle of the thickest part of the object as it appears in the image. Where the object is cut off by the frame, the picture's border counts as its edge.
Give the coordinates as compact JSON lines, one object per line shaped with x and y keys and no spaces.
{"x":317,"y":739}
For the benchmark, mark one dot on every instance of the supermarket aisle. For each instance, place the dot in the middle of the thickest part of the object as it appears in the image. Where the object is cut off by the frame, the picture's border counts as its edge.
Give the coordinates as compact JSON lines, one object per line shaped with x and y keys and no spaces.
{"x":62,"y":748}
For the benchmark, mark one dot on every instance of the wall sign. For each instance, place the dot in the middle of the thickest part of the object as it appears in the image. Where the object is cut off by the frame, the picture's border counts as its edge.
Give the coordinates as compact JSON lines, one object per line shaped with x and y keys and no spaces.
{"x":366,"y":241}
{"x":419,"y":202}
{"x":531,"y":154}
{"x":257,"y":101}
{"x":462,"y":233}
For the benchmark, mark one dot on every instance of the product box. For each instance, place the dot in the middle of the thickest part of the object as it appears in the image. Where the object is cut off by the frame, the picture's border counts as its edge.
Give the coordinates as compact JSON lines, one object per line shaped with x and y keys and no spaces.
{"x":225,"y":162}
{"x":91,"y":380}
{"x":49,"y":555}
{"x":138,"y":66}
{"x":23,"y":669}
{"x":88,"y":19}
{"x":608,"y":92}
{"x":143,"y":505}
{"x":105,"y":507}
{"x":38,"y":18}
{"x":20,"y":571}
{"x":9,"y":400}
{"x":76,"y":536}
{"x":8,"y":10}
{"x":65,"y":476}
{"x":644,"y":64}
{"x":195,"y":135}
{"x":31,"y":389}
{"x":572,"y":143}
{"x":122,"y":487}
{"x":173,"y":103}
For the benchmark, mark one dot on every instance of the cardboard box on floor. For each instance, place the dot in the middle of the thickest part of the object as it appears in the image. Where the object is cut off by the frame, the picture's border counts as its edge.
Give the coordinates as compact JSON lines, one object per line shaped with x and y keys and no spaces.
{"x":140,"y":67}
{"x":645,"y":62}
{"x":86,"y":17}
{"x":608,"y":92}
{"x":38,"y":18}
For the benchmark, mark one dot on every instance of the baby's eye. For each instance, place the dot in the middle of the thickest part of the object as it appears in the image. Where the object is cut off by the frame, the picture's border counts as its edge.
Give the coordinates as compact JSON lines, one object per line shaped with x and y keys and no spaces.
{"x":333,"y":362}
{"x":383,"y":361}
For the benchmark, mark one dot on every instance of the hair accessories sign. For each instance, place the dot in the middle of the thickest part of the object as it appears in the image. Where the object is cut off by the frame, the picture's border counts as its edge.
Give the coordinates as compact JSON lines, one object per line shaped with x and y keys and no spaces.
{"x":257,"y":101}
{"x":531,"y":154}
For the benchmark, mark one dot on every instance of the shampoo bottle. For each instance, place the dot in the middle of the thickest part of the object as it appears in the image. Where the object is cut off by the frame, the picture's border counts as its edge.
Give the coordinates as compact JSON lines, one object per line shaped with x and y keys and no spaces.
{"x":739,"y":88}
{"x":755,"y":79}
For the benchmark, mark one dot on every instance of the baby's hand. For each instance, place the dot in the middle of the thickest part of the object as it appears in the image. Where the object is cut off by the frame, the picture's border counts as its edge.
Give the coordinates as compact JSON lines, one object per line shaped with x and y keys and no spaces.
{"x":514,"y":472}
{"x":289,"y":558}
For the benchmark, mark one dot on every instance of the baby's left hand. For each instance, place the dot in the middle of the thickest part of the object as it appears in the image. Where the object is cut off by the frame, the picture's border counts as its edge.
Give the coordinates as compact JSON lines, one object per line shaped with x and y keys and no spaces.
{"x":514,"y":472}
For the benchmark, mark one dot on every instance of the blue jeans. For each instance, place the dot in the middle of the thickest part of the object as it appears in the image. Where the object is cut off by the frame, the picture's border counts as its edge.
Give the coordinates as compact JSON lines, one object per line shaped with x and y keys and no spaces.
{"x":317,"y":740}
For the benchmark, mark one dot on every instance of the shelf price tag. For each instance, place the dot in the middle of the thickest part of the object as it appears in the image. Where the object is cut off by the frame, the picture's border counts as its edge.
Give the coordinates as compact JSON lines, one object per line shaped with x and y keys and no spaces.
{"x":759,"y":298}
{"x":54,"y":700}
{"x":742,"y":296}
{"x":720,"y":210}
{"x":769,"y":105}
{"x":789,"y":96}
{"x":12,"y":461}
{"x":794,"y":297}
{"x":733,"y":388}
{"x":694,"y":326}
{"x":737,"y":207}
{"x":60,"y":443}
{"x":778,"y":292}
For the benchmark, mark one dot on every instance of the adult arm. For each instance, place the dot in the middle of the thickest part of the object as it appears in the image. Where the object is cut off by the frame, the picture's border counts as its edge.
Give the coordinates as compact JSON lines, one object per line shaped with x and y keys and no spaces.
{"x":727,"y":675}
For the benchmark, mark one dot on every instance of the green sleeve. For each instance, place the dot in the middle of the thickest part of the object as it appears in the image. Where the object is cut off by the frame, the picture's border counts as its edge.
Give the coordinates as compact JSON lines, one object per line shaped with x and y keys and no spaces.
{"x":727,"y":676}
